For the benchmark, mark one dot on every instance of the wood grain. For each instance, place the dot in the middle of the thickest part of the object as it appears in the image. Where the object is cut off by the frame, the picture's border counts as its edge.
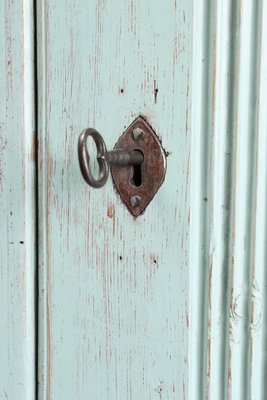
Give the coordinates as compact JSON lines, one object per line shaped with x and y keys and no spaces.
{"x":171,"y":305}
{"x":17,"y":202}
{"x":113,"y":289}
{"x":228,"y":227}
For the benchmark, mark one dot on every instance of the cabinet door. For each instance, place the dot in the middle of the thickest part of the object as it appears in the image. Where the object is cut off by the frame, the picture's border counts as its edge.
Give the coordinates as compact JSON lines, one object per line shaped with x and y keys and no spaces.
{"x":169,"y":305}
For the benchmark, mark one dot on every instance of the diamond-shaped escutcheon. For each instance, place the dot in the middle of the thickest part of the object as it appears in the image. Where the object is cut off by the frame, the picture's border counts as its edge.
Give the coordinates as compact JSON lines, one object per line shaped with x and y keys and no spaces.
{"x":138,"y":184}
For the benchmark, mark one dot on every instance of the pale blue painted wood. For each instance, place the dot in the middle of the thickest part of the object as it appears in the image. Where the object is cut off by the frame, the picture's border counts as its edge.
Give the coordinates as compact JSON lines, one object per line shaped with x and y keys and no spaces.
{"x":228,"y":226}
{"x":17,"y":202}
{"x":113,"y":290}
{"x":171,"y":305}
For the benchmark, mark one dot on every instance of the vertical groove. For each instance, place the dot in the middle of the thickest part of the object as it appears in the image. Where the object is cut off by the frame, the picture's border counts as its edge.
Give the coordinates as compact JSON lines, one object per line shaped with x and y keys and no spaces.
{"x":226,"y":271}
{"x":230,"y":107}
{"x":29,"y":183}
{"x":252,"y":179}
{"x":43,"y":381}
{"x":257,"y":358}
{"x":232,"y":70}
{"x":262,"y":211}
{"x":35,"y":77}
{"x":229,"y":200}
{"x":220,"y":198}
{"x":206,"y":149}
{"x":263,"y":344}
{"x":199,"y":214}
{"x":244,"y":208}
{"x":209,"y":142}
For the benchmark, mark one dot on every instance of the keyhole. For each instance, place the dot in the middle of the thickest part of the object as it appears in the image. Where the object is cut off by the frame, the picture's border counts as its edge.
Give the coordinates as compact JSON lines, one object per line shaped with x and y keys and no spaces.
{"x":136,"y":175}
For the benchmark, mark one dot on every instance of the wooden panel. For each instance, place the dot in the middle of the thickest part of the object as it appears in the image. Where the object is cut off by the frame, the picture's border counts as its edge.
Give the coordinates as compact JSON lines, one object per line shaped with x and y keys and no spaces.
{"x":228,"y":282}
{"x":113,"y":289}
{"x":17,"y":202}
{"x":171,"y":305}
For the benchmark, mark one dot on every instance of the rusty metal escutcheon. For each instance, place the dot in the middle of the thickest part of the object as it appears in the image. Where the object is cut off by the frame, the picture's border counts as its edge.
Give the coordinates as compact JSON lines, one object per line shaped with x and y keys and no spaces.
{"x":138,"y":193}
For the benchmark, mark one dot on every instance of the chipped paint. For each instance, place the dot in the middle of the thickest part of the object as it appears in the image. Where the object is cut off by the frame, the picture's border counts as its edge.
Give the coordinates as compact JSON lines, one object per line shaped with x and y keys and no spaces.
{"x":228,"y":180}
{"x":113,"y":288}
{"x":17,"y":202}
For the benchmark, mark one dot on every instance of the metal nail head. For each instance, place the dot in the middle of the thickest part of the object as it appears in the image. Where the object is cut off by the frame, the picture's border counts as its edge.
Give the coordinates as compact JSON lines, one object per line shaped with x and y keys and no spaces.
{"x":138,"y":133}
{"x":135,"y":201}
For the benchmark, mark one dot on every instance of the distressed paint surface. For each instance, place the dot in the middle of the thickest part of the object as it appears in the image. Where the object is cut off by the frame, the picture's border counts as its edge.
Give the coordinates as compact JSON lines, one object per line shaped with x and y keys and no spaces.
{"x":17,"y":202}
{"x":171,"y":305}
{"x":113,"y":290}
{"x":228,"y":227}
